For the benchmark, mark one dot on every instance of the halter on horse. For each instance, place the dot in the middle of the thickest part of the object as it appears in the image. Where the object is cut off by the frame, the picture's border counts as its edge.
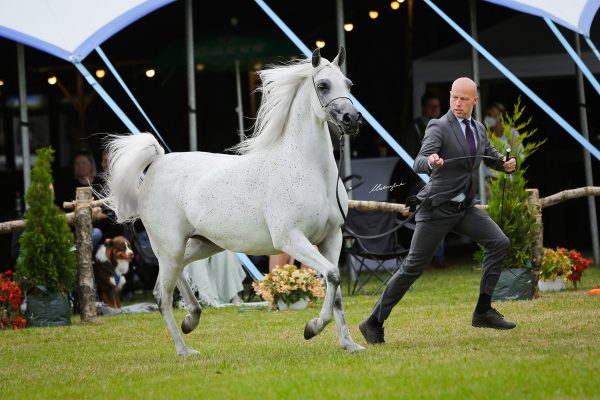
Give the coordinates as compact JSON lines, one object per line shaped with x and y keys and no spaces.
{"x":278,"y":195}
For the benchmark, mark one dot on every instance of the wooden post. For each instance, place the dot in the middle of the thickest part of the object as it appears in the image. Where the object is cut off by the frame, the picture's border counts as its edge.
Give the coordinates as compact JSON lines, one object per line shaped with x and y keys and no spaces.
{"x":535,"y":208}
{"x":83,"y":243}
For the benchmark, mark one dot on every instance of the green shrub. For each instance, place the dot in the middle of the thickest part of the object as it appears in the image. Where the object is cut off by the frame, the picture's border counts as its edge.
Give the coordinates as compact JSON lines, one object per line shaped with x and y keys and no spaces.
{"x":507,"y":205}
{"x":46,"y":257}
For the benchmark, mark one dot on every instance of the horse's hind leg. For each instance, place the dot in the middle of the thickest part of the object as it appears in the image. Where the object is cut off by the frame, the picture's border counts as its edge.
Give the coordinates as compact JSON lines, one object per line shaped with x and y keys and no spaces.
{"x":192,"y":319}
{"x":195,"y":249}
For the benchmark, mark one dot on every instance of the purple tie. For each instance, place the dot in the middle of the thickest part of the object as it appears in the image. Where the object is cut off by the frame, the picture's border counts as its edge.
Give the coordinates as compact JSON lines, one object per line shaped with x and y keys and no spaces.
{"x":470,"y":137}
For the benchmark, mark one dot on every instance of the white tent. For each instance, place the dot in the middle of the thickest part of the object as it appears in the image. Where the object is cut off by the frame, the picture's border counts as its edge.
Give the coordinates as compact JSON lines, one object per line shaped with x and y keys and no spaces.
{"x":69,"y":28}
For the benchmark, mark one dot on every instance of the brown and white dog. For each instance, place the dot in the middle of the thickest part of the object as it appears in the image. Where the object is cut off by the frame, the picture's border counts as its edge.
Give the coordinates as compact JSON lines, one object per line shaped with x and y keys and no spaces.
{"x":111,"y":263}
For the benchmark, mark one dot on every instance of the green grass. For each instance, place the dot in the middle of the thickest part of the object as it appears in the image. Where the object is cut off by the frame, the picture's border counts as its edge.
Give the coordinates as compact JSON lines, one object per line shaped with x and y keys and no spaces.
{"x":431,"y":352}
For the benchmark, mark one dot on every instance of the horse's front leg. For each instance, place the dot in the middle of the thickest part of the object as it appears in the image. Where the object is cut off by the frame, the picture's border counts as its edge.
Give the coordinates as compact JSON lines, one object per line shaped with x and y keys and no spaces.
{"x":330,"y":249}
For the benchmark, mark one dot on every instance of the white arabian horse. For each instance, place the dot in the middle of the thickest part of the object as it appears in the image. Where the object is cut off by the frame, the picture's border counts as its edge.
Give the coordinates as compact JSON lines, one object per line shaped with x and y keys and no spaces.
{"x":278,"y":195}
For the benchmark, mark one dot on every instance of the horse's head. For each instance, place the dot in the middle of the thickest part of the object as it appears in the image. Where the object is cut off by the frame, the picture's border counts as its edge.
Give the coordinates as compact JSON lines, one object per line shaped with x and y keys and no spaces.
{"x":332,"y":91}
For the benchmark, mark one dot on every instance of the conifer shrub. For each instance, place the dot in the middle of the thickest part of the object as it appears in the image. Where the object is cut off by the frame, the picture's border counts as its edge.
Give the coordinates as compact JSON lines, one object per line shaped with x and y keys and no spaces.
{"x":507,"y":205}
{"x":46,"y":256}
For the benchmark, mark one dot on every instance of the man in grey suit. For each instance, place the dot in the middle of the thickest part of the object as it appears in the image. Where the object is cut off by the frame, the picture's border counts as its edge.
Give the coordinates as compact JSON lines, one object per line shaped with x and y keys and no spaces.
{"x":448,"y":204}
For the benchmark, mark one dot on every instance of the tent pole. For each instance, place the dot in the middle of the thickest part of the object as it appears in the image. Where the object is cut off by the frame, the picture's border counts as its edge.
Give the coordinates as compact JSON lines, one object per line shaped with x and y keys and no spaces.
{"x":191,"y":76}
{"x":341,"y":38}
{"x":475,"y":66}
{"x":24,"y":121}
{"x":589,"y":178}
{"x":239,"y":109}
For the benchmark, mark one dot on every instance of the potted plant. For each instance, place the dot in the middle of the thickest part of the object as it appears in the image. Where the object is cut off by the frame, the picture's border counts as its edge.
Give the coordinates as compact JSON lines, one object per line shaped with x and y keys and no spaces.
{"x":11,"y":298}
{"x":288,"y":287}
{"x":556,"y":265}
{"x":508,"y":207}
{"x":46,"y":263}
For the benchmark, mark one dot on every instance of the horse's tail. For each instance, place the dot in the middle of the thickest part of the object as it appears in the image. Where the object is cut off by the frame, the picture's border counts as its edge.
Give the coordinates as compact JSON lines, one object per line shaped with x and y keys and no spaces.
{"x":128,"y":157}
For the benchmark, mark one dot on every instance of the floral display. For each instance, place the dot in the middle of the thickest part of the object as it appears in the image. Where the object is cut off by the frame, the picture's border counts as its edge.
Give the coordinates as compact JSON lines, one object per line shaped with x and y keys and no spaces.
{"x":289,"y":284}
{"x":568,"y":264}
{"x":11,"y":298}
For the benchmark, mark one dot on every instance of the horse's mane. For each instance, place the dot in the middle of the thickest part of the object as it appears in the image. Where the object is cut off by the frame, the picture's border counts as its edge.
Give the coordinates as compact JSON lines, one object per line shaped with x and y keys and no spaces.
{"x":279,"y":86}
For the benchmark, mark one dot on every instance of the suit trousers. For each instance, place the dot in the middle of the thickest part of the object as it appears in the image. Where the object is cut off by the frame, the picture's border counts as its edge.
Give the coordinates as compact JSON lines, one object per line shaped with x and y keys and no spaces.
{"x":433,"y":225}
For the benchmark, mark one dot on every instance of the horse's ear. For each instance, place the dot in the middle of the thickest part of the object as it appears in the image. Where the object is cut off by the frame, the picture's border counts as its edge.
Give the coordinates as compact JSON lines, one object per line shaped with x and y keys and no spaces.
{"x":316,"y":57}
{"x":341,"y":57}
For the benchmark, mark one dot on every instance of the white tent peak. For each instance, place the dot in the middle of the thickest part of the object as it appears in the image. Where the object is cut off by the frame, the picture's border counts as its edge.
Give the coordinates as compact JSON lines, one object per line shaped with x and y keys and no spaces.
{"x":576,"y":15}
{"x":70,"y":29}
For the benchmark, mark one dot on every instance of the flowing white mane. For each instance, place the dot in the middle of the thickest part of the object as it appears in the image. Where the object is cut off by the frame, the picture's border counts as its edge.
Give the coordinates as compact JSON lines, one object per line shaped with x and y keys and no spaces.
{"x":279,"y":87}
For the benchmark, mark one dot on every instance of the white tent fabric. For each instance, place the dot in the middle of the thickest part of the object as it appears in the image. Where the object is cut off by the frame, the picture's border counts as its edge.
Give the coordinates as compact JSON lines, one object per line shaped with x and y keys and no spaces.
{"x":576,"y":15}
{"x":69,"y":28}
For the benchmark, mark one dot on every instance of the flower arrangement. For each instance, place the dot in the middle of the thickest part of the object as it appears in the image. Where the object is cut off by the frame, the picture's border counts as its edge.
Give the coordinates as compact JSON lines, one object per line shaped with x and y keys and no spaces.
{"x":566,"y":263}
{"x":289,"y":284}
{"x":11,"y":298}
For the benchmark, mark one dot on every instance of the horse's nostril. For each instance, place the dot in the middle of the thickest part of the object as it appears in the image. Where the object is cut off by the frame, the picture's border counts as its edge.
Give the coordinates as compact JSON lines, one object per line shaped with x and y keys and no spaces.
{"x":346,"y":119}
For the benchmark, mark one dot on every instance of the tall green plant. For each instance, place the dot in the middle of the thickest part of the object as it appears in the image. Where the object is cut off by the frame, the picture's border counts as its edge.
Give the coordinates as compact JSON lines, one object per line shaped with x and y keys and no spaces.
{"x":507,"y":205}
{"x":46,"y":257}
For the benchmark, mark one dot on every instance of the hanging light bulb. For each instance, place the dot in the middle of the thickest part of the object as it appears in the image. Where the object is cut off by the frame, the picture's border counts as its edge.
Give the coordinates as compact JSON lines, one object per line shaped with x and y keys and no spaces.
{"x":1,"y":82}
{"x":100,"y":73}
{"x":373,"y":14}
{"x":320,"y":43}
{"x":348,"y":27}
{"x":150,"y":73}
{"x":52,"y":80}
{"x":395,"y":5}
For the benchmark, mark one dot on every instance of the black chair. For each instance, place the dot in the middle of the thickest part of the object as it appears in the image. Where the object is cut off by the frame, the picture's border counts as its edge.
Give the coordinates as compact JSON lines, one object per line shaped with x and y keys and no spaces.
{"x":367,"y":259}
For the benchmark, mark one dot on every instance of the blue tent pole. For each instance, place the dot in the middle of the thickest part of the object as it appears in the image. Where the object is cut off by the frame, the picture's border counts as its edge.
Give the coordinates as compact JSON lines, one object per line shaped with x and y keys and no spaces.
{"x":591,"y":44}
{"x":109,"y":101}
{"x":528,"y":92}
{"x":584,"y":69}
{"x":366,"y":114}
{"x":131,"y":96}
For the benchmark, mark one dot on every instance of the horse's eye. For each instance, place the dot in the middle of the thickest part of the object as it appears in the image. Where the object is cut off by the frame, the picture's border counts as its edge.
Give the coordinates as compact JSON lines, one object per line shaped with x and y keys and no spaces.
{"x":322,"y":86}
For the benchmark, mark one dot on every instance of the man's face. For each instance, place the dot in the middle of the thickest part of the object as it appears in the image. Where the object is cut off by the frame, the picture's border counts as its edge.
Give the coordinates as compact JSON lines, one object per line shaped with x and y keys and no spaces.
{"x":463,"y":98}
{"x":431,"y":108}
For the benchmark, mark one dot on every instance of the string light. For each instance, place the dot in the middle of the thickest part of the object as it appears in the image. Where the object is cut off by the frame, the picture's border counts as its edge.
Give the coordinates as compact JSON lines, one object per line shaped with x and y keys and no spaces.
{"x":200,"y":67}
{"x":150,"y":73}
{"x":395,"y":5}
{"x":100,"y":73}
{"x":348,"y":27}
{"x":373,"y":14}
{"x":320,"y":43}
{"x":52,"y":80}
{"x":1,"y":82}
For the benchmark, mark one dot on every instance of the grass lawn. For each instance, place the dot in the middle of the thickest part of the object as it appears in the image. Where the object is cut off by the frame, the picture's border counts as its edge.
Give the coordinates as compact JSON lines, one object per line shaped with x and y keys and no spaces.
{"x":431,"y":352}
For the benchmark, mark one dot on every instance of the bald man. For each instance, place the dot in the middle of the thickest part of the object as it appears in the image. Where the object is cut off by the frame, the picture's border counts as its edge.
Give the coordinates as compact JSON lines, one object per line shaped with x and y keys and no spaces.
{"x":448,"y":202}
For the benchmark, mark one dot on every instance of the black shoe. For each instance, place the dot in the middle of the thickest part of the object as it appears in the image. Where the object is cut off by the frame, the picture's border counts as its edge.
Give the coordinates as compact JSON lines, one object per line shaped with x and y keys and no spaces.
{"x":491,"y":319}
{"x":372,"y":334}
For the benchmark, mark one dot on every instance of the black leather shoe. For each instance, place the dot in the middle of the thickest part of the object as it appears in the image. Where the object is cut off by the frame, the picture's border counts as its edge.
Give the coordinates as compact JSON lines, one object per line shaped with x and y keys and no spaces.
{"x":372,"y":334}
{"x":491,"y":319}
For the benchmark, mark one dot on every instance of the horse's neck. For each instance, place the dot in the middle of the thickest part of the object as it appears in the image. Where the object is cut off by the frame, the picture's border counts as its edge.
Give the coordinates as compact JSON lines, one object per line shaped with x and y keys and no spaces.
{"x":306,"y":134}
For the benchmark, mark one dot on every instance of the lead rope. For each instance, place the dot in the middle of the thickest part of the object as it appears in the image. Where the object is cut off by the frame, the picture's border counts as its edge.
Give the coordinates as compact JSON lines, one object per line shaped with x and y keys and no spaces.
{"x":410,"y":216}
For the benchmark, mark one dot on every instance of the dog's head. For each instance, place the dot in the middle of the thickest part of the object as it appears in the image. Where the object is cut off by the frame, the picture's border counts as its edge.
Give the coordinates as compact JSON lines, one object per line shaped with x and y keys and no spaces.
{"x":118,"y":251}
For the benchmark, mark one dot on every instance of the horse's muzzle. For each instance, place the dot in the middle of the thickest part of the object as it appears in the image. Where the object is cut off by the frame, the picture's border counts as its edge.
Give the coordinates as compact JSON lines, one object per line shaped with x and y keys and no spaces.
{"x":351,"y":122}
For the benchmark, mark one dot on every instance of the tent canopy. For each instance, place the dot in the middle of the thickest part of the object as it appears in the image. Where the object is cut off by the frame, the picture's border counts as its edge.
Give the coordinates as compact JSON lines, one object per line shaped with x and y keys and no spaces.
{"x":70,"y":28}
{"x":576,"y":15}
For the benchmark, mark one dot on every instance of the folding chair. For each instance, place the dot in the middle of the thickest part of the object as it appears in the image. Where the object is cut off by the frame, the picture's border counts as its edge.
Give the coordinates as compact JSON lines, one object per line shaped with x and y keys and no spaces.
{"x":373,"y":260}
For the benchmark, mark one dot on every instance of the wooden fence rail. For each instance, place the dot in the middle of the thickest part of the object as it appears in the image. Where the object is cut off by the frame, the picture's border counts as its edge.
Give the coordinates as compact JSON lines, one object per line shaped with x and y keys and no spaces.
{"x":87,"y":211}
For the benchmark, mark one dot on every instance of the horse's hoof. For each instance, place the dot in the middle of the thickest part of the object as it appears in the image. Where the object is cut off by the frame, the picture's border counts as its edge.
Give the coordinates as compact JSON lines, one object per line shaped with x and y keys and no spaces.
{"x":188,"y":352}
{"x":309,"y":331}
{"x":354,"y":348}
{"x":188,"y":325}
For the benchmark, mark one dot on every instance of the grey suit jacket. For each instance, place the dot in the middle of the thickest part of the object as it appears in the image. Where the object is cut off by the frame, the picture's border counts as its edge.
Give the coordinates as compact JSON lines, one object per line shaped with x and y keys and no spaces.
{"x":445,"y":137}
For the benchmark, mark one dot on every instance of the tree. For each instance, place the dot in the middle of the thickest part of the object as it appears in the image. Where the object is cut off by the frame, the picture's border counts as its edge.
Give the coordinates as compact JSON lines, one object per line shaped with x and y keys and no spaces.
{"x":508,"y":199}
{"x":46,"y":256}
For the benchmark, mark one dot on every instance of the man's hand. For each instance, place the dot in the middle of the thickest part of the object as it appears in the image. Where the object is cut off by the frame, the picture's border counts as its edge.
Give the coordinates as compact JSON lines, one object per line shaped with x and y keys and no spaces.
{"x":510,"y":166}
{"x":435,"y":161}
